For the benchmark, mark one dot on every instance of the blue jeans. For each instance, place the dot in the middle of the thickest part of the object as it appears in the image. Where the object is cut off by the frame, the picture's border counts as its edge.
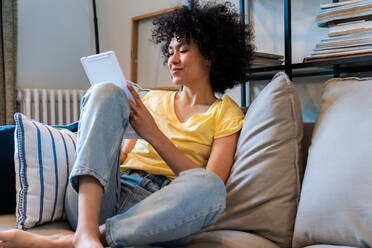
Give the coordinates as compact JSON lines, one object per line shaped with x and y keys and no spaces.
{"x":138,"y":208}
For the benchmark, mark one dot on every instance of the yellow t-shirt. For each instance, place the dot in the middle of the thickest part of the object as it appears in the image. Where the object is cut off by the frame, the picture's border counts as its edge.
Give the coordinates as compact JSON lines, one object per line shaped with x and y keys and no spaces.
{"x":193,"y":137}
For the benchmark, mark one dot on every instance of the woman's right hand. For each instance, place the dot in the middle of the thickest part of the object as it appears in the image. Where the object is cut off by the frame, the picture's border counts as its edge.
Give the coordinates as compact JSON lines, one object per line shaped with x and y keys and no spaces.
{"x":140,"y":118}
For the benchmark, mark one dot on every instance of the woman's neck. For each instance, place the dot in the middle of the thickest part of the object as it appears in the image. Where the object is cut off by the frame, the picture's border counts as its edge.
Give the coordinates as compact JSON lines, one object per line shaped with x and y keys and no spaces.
{"x":198,"y":96}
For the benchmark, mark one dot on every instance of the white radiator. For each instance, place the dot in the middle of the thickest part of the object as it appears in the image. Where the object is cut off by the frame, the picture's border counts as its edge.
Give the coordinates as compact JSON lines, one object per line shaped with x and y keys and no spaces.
{"x":51,"y":106}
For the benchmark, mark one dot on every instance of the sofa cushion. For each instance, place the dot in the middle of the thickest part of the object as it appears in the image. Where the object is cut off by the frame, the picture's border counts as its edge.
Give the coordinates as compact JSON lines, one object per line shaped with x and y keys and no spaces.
{"x":43,"y":158}
{"x":7,"y":175}
{"x":264,"y":185}
{"x":230,"y":239}
{"x":335,"y":206}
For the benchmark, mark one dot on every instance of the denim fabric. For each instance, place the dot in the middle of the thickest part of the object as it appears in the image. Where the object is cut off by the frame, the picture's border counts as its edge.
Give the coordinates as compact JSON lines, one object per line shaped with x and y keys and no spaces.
{"x":138,"y":208}
{"x":137,"y":185}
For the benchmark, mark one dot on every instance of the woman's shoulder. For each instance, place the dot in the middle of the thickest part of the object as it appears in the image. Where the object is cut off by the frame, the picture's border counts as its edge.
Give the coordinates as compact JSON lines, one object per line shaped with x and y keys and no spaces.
{"x":227,"y":100}
{"x":229,"y":118}
{"x":228,"y":105}
{"x":228,"y":109}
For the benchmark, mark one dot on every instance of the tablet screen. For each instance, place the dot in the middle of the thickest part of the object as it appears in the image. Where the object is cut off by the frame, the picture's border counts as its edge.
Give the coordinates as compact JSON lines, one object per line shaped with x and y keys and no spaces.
{"x":104,"y":67}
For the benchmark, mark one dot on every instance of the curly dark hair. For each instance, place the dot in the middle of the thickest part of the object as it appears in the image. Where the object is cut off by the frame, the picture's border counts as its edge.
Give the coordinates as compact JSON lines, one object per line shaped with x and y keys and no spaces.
{"x":219,"y":34}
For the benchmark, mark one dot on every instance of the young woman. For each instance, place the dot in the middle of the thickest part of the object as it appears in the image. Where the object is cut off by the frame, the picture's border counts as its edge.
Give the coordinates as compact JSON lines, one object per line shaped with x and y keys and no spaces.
{"x":170,"y":184}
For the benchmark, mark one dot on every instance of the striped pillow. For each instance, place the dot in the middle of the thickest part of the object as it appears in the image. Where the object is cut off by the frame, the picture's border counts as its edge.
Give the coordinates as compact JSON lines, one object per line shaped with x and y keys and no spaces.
{"x":43,"y":159}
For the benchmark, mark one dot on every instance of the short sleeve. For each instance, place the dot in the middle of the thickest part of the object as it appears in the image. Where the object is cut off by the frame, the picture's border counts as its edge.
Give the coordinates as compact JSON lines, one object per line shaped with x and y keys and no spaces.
{"x":229,"y":118}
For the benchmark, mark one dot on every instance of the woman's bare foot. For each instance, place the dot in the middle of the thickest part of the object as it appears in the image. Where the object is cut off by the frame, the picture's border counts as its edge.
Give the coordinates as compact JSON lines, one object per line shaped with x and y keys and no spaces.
{"x":85,"y":240}
{"x":21,"y":239}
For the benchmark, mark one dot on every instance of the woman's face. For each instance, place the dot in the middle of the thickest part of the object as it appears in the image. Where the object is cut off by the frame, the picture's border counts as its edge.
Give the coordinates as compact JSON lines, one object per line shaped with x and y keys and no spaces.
{"x":186,"y":64}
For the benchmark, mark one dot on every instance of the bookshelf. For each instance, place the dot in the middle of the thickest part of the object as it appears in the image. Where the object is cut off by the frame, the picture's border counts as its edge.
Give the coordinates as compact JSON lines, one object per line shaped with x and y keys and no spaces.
{"x":332,"y":67}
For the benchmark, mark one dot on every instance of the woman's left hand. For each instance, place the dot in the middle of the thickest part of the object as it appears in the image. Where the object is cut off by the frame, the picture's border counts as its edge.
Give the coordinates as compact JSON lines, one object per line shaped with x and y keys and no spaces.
{"x":140,"y":118}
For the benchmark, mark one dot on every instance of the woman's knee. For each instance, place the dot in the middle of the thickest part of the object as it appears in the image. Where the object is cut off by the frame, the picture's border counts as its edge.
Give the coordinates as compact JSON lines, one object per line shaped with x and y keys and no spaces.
{"x":106,"y":92}
{"x":207,"y":185}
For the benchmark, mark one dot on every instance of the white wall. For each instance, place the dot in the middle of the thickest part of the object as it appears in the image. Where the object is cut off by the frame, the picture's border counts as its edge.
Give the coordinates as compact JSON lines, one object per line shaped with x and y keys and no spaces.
{"x":151,"y":71}
{"x":115,"y":34}
{"x":52,"y":36}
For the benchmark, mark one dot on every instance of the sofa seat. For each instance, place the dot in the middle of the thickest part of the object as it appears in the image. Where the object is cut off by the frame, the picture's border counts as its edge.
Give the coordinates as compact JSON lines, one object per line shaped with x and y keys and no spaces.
{"x":8,"y":222}
{"x":230,"y":239}
{"x":329,"y":246}
{"x":213,"y":239}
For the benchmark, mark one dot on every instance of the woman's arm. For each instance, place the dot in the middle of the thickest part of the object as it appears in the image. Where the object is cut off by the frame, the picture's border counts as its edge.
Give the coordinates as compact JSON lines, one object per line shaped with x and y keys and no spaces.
{"x":221,"y":158}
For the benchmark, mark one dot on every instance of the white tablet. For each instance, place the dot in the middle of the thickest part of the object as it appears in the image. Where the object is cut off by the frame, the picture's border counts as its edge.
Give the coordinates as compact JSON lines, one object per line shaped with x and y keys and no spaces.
{"x":104,"y":67}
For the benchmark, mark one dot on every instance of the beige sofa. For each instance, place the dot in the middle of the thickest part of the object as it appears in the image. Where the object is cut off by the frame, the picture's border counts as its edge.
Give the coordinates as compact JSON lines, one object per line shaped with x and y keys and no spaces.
{"x":264,"y":207}
{"x":216,"y":238}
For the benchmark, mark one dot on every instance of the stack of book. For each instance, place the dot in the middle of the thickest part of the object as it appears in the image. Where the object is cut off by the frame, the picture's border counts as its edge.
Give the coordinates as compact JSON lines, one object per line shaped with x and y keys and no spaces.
{"x":350,"y":30}
{"x":266,"y":59}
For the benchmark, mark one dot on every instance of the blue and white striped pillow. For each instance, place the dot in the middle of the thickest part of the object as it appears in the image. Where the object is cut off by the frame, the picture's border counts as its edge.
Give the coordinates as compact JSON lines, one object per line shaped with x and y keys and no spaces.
{"x":43,"y":159}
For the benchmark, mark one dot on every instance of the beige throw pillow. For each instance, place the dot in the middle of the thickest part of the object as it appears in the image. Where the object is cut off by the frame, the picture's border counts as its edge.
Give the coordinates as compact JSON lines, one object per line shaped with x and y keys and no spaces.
{"x":336,"y":199}
{"x":264,"y":184}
